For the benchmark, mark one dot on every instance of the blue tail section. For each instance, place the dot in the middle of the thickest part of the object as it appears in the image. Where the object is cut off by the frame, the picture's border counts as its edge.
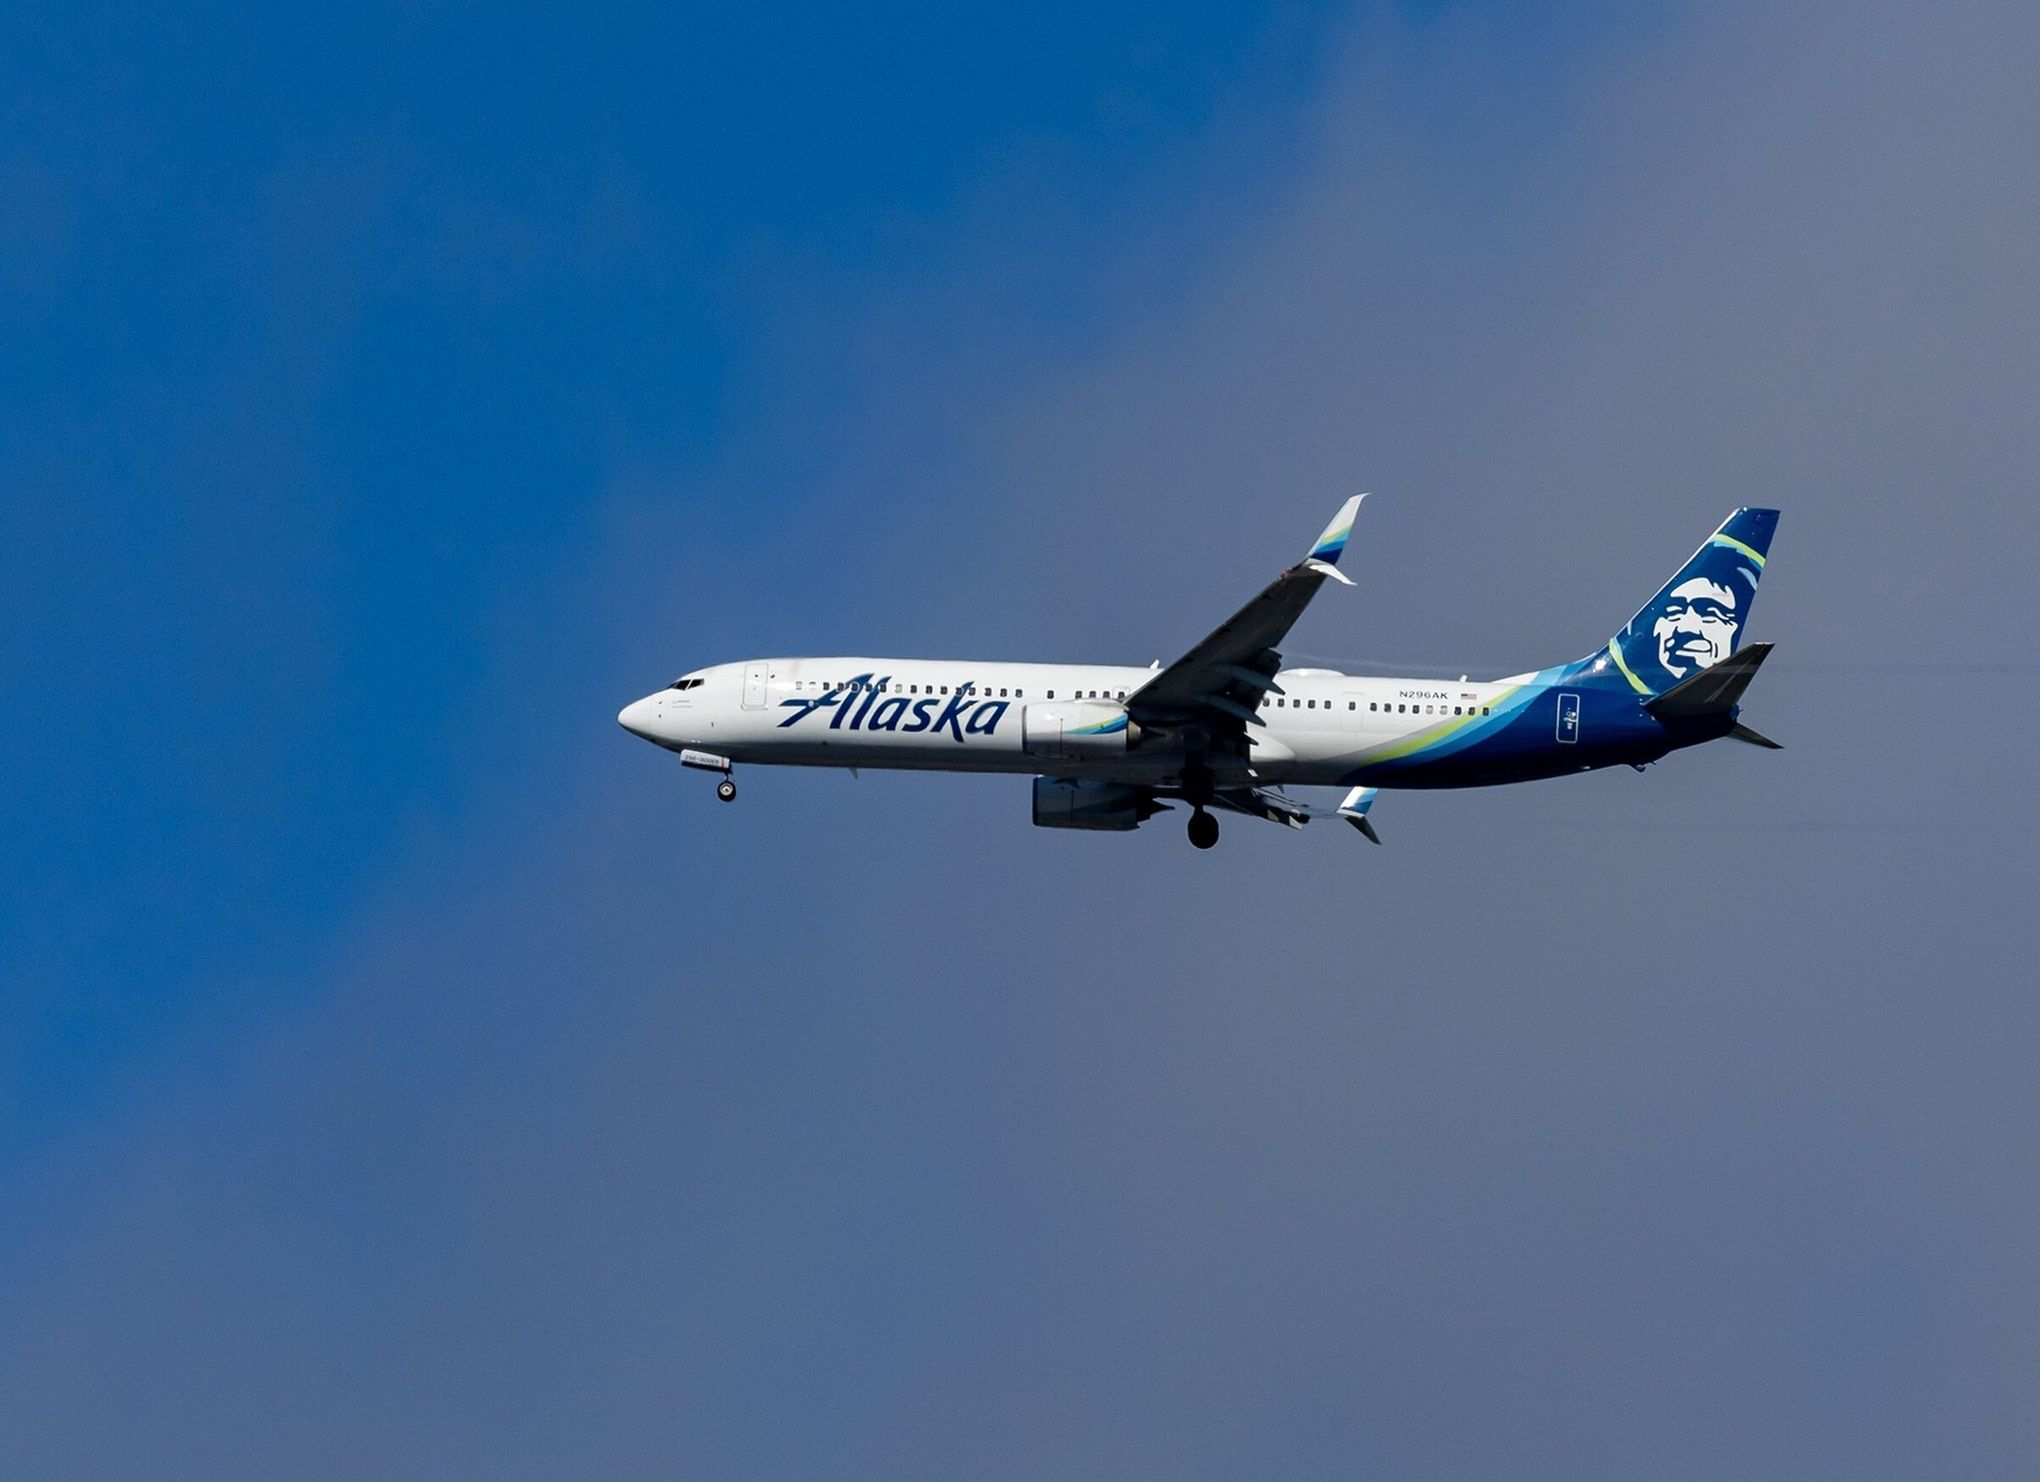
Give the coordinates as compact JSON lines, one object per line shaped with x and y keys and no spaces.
{"x":1698,"y":618}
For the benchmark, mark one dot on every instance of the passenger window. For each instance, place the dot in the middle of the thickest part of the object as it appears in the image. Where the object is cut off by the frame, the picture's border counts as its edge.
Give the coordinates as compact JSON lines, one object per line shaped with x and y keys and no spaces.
{"x":1051,"y":694}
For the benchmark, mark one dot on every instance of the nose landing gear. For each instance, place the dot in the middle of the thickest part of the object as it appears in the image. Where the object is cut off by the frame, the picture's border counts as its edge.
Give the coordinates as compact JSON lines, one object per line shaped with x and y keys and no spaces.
{"x":726,"y":789}
{"x":1203,"y":829}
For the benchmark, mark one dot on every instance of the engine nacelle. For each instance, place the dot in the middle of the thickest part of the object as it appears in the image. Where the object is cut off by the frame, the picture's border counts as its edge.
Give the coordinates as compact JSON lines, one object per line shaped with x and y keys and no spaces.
{"x":1080,"y":802}
{"x":1076,"y":728}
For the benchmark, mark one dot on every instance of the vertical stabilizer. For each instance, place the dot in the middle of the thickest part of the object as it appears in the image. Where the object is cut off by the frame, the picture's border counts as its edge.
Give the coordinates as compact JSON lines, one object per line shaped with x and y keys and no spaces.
{"x":1697,"y":619}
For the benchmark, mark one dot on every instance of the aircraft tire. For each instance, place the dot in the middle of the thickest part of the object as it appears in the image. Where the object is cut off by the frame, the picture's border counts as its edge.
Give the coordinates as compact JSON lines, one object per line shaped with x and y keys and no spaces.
{"x":1203,"y":829}
{"x":726,"y":790}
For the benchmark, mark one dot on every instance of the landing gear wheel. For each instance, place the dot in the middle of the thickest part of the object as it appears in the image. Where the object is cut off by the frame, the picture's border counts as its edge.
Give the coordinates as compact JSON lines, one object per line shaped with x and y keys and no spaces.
{"x":726,"y":790}
{"x":1203,"y":829}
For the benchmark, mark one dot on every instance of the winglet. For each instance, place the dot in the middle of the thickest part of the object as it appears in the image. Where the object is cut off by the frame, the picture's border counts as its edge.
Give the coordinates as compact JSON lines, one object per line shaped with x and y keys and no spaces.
{"x":1330,"y":544}
{"x":1326,"y":568}
{"x":1354,"y":810}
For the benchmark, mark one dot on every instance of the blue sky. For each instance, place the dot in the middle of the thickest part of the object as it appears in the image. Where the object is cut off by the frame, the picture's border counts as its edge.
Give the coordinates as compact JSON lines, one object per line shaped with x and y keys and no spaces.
{"x":407,"y":1072}
{"x":334,"y":333}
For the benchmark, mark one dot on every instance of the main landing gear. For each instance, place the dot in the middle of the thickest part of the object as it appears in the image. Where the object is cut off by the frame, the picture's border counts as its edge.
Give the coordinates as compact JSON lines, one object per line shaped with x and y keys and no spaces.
{"x":1197,"y":790}
{"x":726,"y":789}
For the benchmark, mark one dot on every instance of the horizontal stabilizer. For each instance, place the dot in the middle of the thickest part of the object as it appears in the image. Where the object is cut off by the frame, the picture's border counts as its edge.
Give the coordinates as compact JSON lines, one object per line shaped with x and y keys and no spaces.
{"x":1713,"y":691}
{"x":1755,"y":738}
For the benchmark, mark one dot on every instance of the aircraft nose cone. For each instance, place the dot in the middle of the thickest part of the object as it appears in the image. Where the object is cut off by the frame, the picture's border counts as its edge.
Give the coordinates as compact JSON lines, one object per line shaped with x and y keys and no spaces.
{"x":637,"y":717}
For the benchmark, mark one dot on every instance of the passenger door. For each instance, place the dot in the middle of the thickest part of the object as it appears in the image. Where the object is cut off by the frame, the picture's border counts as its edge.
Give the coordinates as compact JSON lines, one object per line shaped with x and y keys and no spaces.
{"x":754,"y":686}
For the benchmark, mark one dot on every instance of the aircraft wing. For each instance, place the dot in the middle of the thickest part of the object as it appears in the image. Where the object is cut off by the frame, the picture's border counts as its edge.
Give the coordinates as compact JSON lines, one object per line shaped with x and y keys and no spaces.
{"x":1276,"y":807}
{"x":1262,"y":802}
{"x":1219,"y":683}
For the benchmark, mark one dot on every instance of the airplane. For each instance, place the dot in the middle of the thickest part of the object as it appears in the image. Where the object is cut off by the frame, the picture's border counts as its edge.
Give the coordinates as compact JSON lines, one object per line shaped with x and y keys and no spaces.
{"x":1226,"y":728}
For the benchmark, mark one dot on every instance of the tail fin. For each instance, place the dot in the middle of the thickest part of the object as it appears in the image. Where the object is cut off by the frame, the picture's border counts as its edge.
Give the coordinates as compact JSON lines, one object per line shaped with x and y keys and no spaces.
{"x":1697,"y":619}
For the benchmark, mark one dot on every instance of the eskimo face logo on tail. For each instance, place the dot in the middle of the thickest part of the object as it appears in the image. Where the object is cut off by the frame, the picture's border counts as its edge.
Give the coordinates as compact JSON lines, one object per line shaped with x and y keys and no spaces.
{"x":865,"y":704}
{"x":1696,"y":626}
{"x":1697,"y":618}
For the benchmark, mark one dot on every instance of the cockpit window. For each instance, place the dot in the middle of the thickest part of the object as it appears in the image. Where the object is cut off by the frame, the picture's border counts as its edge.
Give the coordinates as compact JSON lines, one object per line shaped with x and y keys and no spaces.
{"x":685,"y":684}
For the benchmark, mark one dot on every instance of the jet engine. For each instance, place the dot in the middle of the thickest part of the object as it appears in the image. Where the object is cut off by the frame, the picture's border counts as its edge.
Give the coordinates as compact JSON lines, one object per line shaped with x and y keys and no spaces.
{"x":1075,"y":729}
{"x":1075,"y":802}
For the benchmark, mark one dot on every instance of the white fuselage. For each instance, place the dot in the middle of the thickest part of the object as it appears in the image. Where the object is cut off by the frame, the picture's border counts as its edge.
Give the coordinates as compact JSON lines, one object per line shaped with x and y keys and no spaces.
{"x":964,"y":716}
